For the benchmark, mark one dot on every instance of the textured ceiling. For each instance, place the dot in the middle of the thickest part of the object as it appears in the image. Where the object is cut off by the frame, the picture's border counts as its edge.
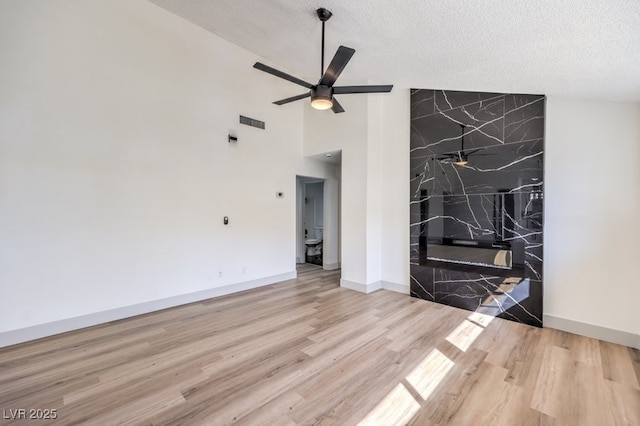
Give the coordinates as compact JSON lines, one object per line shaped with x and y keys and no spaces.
{"x":574,"y":48}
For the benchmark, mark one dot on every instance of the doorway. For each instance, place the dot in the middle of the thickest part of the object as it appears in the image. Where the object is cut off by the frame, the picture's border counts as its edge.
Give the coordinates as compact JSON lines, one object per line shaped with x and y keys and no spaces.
{"x":317,"y":221}
{"x":313,"y":221}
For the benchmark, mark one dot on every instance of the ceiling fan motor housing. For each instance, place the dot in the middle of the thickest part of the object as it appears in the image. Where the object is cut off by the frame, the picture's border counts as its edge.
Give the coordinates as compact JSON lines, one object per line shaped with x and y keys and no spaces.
{"x":322,"y":92}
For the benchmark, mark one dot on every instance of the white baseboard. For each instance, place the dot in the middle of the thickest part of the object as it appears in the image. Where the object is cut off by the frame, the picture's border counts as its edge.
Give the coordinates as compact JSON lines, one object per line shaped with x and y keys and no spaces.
{"x":371,"y":287}
{"x":362,"y":288}
{"x":13,"y":337}
{"x":398,"y":288}
{"x":331,"y":266}
{"x":591,"y":330}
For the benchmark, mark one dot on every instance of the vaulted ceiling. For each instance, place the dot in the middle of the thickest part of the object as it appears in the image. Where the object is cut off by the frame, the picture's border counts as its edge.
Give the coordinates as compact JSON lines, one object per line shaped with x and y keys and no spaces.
{"x":573,"y":48}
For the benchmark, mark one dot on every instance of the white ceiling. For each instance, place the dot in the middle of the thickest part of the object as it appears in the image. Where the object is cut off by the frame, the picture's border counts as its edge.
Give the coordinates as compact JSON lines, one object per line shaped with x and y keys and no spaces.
{"x":573,"y":48}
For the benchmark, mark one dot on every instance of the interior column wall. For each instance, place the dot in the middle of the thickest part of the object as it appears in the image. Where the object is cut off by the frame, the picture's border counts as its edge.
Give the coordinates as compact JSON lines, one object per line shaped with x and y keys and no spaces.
{"x":325,"y":131}
{"x":395,"y":191}
{"x":374,"y":177}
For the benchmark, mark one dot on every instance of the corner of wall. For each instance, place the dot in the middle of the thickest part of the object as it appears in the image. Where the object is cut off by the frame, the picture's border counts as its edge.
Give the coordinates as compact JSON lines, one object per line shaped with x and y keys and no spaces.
{"x":398,"y":288}
{"x":360,"y":287}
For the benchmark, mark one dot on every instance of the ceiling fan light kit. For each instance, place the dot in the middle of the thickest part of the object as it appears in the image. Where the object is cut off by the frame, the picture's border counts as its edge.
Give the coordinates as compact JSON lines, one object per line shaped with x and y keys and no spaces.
{"x":321,"y":103}
{"x":321,"y":94}
{"x":459,"y":158}
{"x":461,"y":162}
{"x":321,"y":97}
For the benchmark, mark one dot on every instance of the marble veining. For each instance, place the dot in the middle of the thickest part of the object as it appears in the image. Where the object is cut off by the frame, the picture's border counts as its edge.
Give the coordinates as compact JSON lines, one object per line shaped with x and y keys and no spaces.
{"x":477,"y":163}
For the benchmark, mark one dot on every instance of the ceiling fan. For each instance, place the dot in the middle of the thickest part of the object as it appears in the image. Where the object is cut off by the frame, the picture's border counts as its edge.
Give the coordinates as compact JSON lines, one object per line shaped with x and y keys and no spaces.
{"x":459,"y":158}
{"x":321,"y":94}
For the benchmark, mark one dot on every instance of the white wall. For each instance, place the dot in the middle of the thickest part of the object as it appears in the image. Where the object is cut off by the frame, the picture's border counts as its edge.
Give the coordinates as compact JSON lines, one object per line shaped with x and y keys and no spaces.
{"x":374,"y":137}
{"x":325,"y":131}
{"x":115,"y":170}
{"x":395,"y":190}
{"x":373,"y":187}
{"x":592,"y":206}
{"x":331,"y":235}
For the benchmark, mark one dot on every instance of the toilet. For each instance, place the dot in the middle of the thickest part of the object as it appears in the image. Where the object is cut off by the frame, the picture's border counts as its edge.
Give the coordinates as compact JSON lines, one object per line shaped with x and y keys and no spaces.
{"x":314,"y":247}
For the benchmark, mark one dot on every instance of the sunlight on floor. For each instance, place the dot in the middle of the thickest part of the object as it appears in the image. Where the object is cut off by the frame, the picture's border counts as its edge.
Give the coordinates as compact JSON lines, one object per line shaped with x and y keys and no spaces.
{"x":397,"y":408}
{"x":469,"y":330}
{"x":429,"y":373}
{"x":464,"y":335}
{"x":481,"y":319}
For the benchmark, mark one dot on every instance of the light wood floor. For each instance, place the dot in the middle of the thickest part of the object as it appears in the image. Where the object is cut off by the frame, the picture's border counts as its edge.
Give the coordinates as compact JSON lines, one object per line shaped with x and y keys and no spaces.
{"x":305,"y":351}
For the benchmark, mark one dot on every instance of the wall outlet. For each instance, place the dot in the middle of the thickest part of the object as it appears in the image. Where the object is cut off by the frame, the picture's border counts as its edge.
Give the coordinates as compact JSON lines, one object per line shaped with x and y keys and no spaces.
{"x":220,"y":274}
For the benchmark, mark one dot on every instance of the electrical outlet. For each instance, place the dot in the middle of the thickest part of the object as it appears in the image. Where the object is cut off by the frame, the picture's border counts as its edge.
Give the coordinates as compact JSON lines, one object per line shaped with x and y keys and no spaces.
{"x":220,"y":274}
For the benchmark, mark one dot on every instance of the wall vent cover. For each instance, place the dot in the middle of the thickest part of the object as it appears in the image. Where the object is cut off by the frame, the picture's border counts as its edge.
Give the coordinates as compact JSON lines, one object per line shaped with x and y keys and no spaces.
{"x":252,"y":122}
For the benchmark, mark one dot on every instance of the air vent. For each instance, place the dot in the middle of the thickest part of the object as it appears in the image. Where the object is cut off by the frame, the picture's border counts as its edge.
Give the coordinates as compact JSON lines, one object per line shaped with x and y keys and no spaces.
{"x":251,"y":122}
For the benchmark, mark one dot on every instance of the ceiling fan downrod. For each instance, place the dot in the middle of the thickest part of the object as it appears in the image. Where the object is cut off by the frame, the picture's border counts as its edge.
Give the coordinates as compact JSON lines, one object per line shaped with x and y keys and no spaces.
{"x":323,"y":15}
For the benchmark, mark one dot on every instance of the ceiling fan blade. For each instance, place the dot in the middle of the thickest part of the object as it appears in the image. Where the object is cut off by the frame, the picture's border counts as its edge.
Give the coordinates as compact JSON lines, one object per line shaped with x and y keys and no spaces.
{"x":293,"y":98}
{"x":362,"y":89}
{"x":273,"y":71}
{"x":337,"y":108}
{"x":339,"y":61}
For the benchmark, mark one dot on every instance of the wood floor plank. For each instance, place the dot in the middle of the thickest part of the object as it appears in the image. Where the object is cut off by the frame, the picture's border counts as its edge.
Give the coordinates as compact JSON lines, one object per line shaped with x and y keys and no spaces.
{"x":570,"y":390}
{"x":634,"y":356}
{"x":397,"y":408}
{"x":72,"y":372}
{"x":140,"y":409}
{"x":549,"y":393}
{"x":623,"y":403}
{"x":305,"y":351}
{"x":258,"y":349}
{"x":446,"y":398}
{"x":273,"y":412}
{"x":490,"y":395}
{"x":587,"y":385}
{"x":513,"y":348}
{"x":617,"y":365}
{"x":88,"y":406}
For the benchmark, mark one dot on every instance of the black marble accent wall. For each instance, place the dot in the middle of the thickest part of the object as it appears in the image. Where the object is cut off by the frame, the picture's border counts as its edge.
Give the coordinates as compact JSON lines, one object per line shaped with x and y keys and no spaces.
{"x":476,"y":201}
